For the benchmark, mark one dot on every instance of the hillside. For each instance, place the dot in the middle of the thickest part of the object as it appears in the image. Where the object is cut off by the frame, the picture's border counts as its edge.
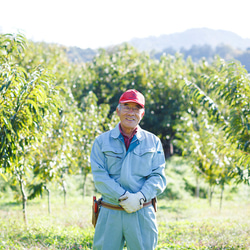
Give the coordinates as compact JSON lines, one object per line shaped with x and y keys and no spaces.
{"x":206,"y":41}
{"x":186,"y":39}
{"x":197,"y":43}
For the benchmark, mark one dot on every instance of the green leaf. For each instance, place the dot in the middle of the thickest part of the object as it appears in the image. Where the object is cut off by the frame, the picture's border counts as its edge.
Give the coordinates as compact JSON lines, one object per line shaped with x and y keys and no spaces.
{"x":4,"y":177}
{"x":246,"y":145}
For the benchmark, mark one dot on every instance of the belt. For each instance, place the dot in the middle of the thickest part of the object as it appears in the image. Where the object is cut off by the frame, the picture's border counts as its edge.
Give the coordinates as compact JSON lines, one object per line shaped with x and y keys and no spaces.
{"x":117,"y":207}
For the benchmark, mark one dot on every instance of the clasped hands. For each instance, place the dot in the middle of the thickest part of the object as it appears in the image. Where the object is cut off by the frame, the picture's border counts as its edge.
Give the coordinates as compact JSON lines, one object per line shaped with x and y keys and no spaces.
{"x":131,"y":202}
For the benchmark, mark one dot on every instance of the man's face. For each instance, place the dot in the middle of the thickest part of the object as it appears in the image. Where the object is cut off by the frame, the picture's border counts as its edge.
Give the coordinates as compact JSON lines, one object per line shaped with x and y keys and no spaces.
{"x":130,"y":115}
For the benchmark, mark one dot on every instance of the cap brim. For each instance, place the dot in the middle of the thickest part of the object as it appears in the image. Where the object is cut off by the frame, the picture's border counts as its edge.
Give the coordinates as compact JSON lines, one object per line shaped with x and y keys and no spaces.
{"x":133,"y":102}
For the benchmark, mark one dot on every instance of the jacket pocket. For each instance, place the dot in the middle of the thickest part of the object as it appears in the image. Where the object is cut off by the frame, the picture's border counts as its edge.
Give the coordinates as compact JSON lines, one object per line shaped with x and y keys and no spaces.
{"x":113,"y":159}
{"x":143,"y":159}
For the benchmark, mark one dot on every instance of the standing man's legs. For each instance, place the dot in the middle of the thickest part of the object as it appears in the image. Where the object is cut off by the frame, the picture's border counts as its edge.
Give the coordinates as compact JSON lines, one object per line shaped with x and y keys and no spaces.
{"x":113,"y":227}
{"x":140,"y":229}
{"x":108,"y":230}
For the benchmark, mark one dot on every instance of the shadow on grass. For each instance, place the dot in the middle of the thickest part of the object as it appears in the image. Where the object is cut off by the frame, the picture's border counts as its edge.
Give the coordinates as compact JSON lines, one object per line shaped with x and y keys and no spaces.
{"x":7,"y":205}
{"x":170,"y":209}
{"x":57,"y":241}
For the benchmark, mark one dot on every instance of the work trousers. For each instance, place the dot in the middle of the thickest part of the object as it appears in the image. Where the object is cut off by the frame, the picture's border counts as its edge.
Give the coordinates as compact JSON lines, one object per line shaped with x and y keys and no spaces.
{"x":114,"y":228}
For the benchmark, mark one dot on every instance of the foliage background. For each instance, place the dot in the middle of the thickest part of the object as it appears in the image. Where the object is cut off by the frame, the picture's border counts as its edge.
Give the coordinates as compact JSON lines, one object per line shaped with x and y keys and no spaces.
{"x":52,"y":109}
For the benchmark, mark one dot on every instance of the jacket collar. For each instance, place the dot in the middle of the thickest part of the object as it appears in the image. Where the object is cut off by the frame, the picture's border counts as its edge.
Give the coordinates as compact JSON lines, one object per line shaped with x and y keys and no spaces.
{"x":115,"y":133}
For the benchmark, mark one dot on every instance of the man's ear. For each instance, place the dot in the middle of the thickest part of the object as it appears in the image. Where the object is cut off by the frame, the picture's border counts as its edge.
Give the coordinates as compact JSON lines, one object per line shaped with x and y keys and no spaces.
{"x":143,"y":113}
{"x":117,"y":111}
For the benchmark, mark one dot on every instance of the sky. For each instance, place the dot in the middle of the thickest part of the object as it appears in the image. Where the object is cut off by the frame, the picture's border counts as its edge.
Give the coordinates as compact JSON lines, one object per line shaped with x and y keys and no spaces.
{"x":101,"y":23}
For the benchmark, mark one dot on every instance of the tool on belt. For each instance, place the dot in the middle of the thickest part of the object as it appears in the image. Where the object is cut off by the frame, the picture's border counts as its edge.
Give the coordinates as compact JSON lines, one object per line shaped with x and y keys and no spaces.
{"x":98,"y":203}
{"x":95,"y":210}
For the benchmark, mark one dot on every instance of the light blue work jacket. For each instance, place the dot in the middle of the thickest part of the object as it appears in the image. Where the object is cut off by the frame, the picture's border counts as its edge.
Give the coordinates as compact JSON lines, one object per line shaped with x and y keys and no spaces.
{"x":140,"y":168}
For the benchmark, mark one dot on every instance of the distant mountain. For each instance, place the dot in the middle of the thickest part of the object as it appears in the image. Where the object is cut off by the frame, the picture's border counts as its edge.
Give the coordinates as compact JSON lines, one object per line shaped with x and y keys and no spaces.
{"x":78,"y":55}
{"x":188,"y":38}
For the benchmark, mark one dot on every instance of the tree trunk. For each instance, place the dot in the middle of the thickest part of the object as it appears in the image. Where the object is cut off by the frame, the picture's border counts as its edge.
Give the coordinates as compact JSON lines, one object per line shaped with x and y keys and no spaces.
{"x":210,"y":195}
{"x":168,"y":148}
{"x":221,"y":196}
{"x":197,"y":189}
{"x":84,"y":184}
{"x":24,"y":199}
{"x":48,"y":192}
{"x":64,"y":193}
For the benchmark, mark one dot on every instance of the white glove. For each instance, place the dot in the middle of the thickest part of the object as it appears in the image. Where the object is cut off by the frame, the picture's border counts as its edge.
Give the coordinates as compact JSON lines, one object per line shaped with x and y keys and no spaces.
{"x":132,"y":202}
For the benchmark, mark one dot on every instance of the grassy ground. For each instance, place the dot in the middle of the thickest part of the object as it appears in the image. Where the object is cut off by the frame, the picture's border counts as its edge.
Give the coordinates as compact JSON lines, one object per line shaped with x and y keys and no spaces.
{"x":195,"y":225}
{"x":183,"y":224}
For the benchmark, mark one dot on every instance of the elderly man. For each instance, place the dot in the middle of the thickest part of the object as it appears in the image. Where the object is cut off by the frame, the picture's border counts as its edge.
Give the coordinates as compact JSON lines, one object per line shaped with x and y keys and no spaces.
{"x":128,"y":169}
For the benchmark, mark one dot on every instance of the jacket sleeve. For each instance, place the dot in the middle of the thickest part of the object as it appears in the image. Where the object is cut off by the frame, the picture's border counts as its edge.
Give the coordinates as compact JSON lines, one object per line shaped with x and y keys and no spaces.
{"x":103,"y":182}
{"x":156,"y":181}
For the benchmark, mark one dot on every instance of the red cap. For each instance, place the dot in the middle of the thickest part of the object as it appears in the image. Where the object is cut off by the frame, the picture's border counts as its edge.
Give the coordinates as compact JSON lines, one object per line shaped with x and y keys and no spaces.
{"x":132,"y":95}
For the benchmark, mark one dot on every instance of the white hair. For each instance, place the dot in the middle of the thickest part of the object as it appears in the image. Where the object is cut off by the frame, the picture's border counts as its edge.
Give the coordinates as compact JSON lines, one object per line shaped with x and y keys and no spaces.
{"x":119,"y":108}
